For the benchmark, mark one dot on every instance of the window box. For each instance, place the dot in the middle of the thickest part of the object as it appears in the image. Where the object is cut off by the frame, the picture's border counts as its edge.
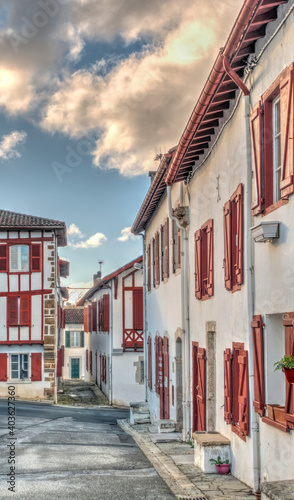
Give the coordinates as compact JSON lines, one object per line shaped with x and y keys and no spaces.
{"x":265,"y":231}
{"x":279,"y":414}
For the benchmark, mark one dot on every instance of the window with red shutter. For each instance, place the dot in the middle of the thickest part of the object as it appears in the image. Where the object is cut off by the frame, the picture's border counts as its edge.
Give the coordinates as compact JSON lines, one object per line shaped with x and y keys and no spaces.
{"x":174,"y":240}
{"x":233,"y":240}
{"x":3,"y":259}
{"x":36,"y":257}
{"x":91,"y":362}
{"x":209,"y":234}
{"x":157,"y":258}
{"x":228,"y":386}
{"x":94,"y":316}
{"x":149,"y":267}
{"x":25,"y":310}
{"x":149,"y":363}
{"x":256,"y":135}
{"x":138,"y":309}
{"x":62,"y":318}
{"x":12,"y":303}
{"x":106,"y":313}
{"x":3,"y":367}
{"x":257,"y":340}
{"x":204,"y":261}
{"x":198,"y":279}
{"x":162,"y":243}
{"x":86,"y":319}
{"x":36,"y":366}
{"x":287,"y":126}
{"x":243,"y":393}
{"x":228,"y":244}
{"x":90,"y":325}
{"x":154,"y":262}
{"x":156,"y":382}
{"x":166,"y":248}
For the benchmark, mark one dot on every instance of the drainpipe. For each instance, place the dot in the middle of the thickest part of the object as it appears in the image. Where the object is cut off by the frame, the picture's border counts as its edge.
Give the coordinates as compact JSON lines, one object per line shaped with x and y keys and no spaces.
{"x":145,"y":314}
{"x":185,"y":322}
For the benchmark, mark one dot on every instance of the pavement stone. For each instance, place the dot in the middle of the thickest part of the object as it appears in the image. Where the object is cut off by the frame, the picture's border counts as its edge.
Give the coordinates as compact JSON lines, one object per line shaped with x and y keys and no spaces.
{"x":174,"y":462}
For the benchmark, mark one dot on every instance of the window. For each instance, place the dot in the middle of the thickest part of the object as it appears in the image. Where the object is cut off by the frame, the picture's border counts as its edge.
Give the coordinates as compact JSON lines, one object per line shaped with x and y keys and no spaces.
{"x":19,"y":309}
{"x":19,"y":258}
{"x":176,"y":241}
{"x":272,"y":145}
{"x":74,"y":339}
{"x":157,"y":267}
{"x":204,"y":261}
{"x":149,"y":343}
{"x":148,"y":267}
{"x":19,"y":366}
{"x":164,"y":233}
{"x":233,"y":240}
{"x":3,"y":258}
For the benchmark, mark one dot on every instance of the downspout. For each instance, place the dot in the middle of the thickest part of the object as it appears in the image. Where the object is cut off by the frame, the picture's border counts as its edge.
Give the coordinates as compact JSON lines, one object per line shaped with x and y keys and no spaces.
{"x":145,"y":314}
{"x":185,"y":322}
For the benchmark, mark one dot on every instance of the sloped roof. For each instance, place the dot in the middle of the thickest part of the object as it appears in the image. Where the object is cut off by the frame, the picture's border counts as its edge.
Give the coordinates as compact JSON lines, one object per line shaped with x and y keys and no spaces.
{"x":15,"y":220}
{"x":106,"y":279}
{"x":74,"y":315}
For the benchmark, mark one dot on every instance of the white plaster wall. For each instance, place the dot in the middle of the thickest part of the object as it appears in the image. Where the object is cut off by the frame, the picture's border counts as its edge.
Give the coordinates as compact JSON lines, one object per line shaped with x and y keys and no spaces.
{"x":3,"y":312}
{"x":36,"y":301}
{"x":125,"y":387}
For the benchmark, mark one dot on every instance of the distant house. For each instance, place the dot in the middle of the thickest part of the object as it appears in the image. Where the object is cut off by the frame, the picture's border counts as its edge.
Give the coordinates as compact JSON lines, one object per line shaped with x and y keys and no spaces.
{"x":113,"y":325}
{"x":75,"y":346}
{"x":30,"y":303}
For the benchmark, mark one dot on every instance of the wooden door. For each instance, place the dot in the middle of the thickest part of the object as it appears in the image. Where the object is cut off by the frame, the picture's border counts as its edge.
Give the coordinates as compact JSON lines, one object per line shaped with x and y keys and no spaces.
{"x":75,"y":368}
{"x":198,"y":388}
{"x":166,"y":378}
{"x":160,"y":376}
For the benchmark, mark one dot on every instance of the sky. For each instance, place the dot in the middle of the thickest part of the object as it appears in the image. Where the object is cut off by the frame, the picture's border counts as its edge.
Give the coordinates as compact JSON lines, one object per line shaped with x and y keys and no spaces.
{"x":90,"y":92}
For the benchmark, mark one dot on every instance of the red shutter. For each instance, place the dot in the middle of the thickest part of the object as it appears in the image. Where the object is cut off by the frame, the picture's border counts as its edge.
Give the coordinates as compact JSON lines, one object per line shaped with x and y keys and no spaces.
{"x":201,"y":396}
{"x":149,"y":267}
{"x":25,"y":311}
{"x":149,"y":363}
{"x":209,"y":233}
{"x":94,"y":316}
{"x":287,"y":130}
{"x":62,"y":318}
{"x":154,"y":262}
{"x":36,"y":367}
{"x":179,"y":247}
{"x":101,"y":314}
{"x":162,"y":242}
{"x":91,"y":362}
{"x":166,"y":377}
{"x":105,"y":369}
{"x":257,"y":338}
{"x":239,"y":202}
{"x":86,"y":318}
{"x":3,"y":259}
{"x":289,"y":350}
{"x":87,"y":360}
{"x":3,"y":367}
{"x":243,"y":393}
{"x":138,"y":309}
{"x":197,"y":238}
{"x":36,"y":257}
{"x":160,"y":375}
{"x":166,"y":248}
{"x":59,"y":363}
{"x":106,"y":313}
{"x":90,"y":318}
{"x":12,"y":311}
{"x":156,"y":385}
{"x":157,"y":258}
{"x":174,"y":246}
{"x":256,"y":134}
{"x":228,"y":244}
{"x":228,"y":385}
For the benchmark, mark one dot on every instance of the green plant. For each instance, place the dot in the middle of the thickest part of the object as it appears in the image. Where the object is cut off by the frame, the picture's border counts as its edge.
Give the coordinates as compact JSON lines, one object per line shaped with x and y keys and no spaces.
{"x":218,"y":461}
{"x":285,"y":362}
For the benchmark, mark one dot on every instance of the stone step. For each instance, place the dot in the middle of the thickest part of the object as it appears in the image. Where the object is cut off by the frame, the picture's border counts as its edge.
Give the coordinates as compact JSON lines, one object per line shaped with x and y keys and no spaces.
{"x":165,"y":425}
{"x":139,"y":413}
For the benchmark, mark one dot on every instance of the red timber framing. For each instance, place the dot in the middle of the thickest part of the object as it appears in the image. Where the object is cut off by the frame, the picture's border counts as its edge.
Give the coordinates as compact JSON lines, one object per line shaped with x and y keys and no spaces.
{"x":133,"y":335}
{"x":198,"y":388}
{"x":257,"y":341}
{"x":233,"y":240}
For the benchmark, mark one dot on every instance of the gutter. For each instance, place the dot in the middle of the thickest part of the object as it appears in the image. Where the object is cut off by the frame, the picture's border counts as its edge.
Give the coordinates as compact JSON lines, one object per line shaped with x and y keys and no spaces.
{"x":210,"y":86}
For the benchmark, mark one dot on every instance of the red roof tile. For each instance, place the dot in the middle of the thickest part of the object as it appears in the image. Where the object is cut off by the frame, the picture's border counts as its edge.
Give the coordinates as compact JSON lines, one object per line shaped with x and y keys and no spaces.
{"x":74,"y":315}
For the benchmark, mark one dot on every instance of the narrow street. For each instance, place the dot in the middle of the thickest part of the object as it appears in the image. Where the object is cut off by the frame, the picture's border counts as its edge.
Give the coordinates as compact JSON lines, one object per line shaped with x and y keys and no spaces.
{"x":67,"y":453}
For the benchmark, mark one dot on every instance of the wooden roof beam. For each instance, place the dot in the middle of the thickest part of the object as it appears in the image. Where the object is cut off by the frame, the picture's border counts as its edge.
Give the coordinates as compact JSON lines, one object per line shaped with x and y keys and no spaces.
{"x":206,"y":125}
{"x":271,"y":3}
{"x":251,"y":36}
{"x":265,"y":18}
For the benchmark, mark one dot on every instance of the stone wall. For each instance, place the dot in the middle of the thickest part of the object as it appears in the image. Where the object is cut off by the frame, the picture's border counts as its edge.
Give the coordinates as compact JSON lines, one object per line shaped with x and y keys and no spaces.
{"x":50,"y":312}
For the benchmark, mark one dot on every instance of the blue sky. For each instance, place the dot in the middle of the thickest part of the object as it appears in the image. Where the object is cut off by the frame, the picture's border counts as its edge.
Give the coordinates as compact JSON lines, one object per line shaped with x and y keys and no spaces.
{"x":90,"y":91}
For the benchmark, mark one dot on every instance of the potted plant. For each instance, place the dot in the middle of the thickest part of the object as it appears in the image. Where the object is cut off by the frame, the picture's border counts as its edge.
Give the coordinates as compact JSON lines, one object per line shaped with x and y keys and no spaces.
{"x":286,"y":364}
{"x":222,"y":466}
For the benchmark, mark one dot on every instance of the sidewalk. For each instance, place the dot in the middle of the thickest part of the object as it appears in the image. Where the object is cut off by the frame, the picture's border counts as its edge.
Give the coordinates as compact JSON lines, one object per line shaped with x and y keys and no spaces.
{"x":174,"y":462}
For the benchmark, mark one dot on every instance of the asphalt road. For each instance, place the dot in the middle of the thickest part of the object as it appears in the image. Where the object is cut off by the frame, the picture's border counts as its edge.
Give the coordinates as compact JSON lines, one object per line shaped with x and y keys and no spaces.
{"x":73,"y":453}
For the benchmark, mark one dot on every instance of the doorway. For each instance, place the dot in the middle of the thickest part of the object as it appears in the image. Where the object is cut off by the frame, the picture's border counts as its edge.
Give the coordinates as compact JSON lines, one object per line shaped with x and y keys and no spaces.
{"x":75,"y":367}
{"x":163,"y":368}
{"x":179,"y":386}
{"x":198,"y":387}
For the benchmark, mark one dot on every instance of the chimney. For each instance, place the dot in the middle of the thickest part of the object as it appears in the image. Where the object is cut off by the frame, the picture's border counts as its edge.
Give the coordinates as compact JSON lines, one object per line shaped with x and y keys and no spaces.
{"x":97,"y":277}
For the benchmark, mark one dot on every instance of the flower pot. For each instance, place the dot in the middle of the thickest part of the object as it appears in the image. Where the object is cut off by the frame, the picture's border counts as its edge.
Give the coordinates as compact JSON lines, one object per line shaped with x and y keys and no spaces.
{"x":279,"y":412}
{"x":222,"y":468}
{"x":289,"y":372}
{"x":270,"y":411}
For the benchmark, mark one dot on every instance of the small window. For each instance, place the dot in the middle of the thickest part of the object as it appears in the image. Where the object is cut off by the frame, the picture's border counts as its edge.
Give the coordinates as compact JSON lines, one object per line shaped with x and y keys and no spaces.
{"x":19,"y":366}
{"x":74,"y":339}
{"x":19,"y":258}
{"x":19,"y":309}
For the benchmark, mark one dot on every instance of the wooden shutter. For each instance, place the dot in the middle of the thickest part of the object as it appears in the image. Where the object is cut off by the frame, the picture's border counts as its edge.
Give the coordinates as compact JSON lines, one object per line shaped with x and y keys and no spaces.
{"x":25,"y":303}
{"x":243,"y":392}
{"x":166,"y":248}
{"x":90,"y":323}
{"x":201,"y":392}
{"x":287,"y":130}
{"x":228,"y":386}
{"x":162,"y":243}
{"x":3,"y":259}
{"x":228,"y":244}
{"x":149,"y":363}
{"x":62,"y":318}
{"x":149,"y":267}
{"x":179,"y":247}
{"x":87,"y":360}
{"x":101,"y":314}
{"x":239,"y":260}
{"x":36,"y":257}
{"x":256,"y":135}
{"x":160,"y":375}
{"x":106,"y":313}
{"x":209,"y":233}
{"x":12,"y":311}
{"x":86,"y":319}
{"x":94,"y":316}
{"x":157,"y":258}
{"x":3,"y":367}
{"x":138,"y":309}
{"x":59,"y":364}
{"x":289,"y":350}
{"x":198,"y":287}
{"x":257,"y":338}
{"x":154,"y":262}
{"x":166,"y":377}
{"x":36,"y":366}
{"x":82,"y":341}
{"x":67,"y":339}
{"x":156,"y":385}
{"x":174,"y":246}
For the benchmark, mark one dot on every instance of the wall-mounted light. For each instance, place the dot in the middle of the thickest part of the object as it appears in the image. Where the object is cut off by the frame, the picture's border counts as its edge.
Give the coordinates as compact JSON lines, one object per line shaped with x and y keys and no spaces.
{"x":265,"y":231}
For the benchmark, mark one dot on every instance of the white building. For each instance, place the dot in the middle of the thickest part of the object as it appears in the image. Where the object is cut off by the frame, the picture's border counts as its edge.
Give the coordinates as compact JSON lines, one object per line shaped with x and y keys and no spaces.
{"x":114,"y":332}
{"x":30,"y":304}
{"x":232,"y":312}
{"x":75,"y":347}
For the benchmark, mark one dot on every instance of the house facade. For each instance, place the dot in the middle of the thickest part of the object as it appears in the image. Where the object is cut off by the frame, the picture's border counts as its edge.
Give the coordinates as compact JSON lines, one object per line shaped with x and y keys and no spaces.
{"x":114,"y":332}
{"x":232,"y":173}
{"x":30,"y":304}
{"x":75,"y":346}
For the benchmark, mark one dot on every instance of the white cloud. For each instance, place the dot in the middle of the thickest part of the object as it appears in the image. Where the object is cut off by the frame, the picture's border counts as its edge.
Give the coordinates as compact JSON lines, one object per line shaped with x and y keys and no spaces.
{"x":73,"y":230}
{"x":94,"y":241}
{"x":9,"y":144}
{"x":126,"y":235}
{"x":77,"y":290}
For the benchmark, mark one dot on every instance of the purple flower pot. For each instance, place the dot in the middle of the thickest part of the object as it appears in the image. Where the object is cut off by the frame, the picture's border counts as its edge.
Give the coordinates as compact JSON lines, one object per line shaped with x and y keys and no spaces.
{"x":223,"y":468}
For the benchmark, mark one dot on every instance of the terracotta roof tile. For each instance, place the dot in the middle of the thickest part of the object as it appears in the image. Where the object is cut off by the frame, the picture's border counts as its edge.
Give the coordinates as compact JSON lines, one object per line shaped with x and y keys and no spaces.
{"x":74,"y":315}
{"x":14,"y":219}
